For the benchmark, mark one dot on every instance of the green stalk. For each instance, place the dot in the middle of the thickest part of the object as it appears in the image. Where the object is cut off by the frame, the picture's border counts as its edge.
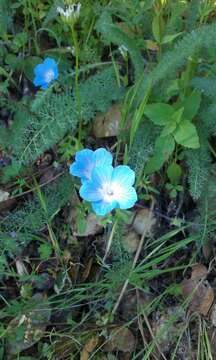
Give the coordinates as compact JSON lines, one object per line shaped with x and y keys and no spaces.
{"x":76,"y":46}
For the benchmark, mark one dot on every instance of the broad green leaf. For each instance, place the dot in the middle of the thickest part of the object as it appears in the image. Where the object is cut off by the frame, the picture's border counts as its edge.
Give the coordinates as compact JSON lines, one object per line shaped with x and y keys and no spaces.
{"x":154,"y":164}
{"x":159,"y":113}
{"x":174,"y":172}
{"x":186,"y":135}
{"x":164,"y":147}
{"x":168,"y":128}
{"x":191,"y":105}
{"x":177,"y":116}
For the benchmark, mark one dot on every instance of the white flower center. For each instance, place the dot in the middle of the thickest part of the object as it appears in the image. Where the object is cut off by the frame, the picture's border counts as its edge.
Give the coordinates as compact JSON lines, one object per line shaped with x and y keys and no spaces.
{"x":112,"y":191}
{"x":49,"y":76}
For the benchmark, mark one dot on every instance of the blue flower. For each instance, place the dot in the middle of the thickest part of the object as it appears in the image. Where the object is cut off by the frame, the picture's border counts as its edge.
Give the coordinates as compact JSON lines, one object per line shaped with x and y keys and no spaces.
{"x":86,"y":160}
{"x":45,"y":73}
{"x":110,"y":188}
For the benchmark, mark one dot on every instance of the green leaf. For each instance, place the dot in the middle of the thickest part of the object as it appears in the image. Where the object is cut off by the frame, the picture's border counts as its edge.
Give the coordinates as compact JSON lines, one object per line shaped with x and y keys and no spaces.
{"x":45,"y":251}
{"x":156,"y":28}
{"x":154,"y":164}
{"x":177,"y":116}
{"x":186,"y":135}
{"x":191,"y":105}
{"x":169,"y":128}
{"x":174,"y":172}
{"x":159,"y":114}
{"x":164,"y":147}
{"x":169,"y":38}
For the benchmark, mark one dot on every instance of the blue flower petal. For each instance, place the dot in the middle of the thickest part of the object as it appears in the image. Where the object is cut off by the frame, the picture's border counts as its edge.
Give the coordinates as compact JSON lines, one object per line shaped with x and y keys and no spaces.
{"x":45,"y":73}
{"x":44,"y":86}
{"x":123,"y":175}
{"x":84,"y":155}
{"x":50,"y":63}
{"x":128,"y":198}
{"x":102,"y":175}
{"x":90,"y":192}
{"x":83,"y":165}
{"x":39,"y":70}
{"x":102,"y":157}
{"x":102,"y":208}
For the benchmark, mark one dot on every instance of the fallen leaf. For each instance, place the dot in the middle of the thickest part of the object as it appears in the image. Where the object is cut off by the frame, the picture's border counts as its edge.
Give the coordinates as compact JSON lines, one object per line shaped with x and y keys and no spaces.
{"x":89,"y":347}
{"x":198,"y":290}
{"x":87,"y":270}
{"x":91,"y":227}
{"x":199,"y":272}
{"x":131,"y":241}
{"x":4,"y":195}
{"x":144,"y":221}
{"x":106,"y":125}
{"x":121,"y":339}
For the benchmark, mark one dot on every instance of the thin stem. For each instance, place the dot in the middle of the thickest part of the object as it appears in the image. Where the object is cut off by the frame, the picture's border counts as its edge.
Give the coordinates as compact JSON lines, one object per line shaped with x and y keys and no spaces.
{"x":134,"y":262}
{"x":109,"y":243}
{"x":76,"y":46}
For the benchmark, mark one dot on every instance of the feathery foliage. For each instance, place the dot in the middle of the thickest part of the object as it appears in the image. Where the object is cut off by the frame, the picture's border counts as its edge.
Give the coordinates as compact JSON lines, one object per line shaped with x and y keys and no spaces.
{"x":114,"y":34}
{"x":37,"y":127}
{"x":18,"y":225}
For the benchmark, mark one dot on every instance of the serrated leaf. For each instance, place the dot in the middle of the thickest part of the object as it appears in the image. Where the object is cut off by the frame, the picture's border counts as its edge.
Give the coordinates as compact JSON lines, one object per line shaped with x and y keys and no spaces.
{"x":160,"y":113}
{"x":186,"y":135}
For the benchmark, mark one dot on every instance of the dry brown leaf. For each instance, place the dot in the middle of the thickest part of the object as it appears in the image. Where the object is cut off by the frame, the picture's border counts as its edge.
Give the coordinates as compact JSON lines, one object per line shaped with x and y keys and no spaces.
{"x":199,"y":272}
{"x":131,"y":241}
{"x":106,"y":125}
{"x":199,"y":291}
{"x":87,"y":270}
{"x":92,"y":225}
{"x":144,"y":221}
{"x":89,"y":347}
{"x":122,"y":339}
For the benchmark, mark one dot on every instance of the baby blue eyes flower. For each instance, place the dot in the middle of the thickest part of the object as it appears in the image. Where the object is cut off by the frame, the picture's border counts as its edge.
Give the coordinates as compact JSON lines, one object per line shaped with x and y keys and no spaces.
{"x":110,"y":188}
{"x":45,"y":73}
{"x":105,"y":187}
{"x":86,"y":160}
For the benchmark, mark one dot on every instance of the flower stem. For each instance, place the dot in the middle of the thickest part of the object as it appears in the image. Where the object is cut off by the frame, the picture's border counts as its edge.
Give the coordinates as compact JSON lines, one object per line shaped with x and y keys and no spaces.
{"x":109,"y":243}
{"x":76,"y":46}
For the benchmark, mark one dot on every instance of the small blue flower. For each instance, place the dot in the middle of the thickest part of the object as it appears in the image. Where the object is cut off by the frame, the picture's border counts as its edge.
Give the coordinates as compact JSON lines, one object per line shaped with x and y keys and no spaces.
{"x":86,"y":160}
{"x":110,"y":188}
{"x":45,"y":73}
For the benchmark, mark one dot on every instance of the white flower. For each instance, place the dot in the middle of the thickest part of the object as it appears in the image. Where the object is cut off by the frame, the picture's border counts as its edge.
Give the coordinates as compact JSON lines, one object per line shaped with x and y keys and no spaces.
{"x":123,"y":50}
{"x":71,"y":12}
